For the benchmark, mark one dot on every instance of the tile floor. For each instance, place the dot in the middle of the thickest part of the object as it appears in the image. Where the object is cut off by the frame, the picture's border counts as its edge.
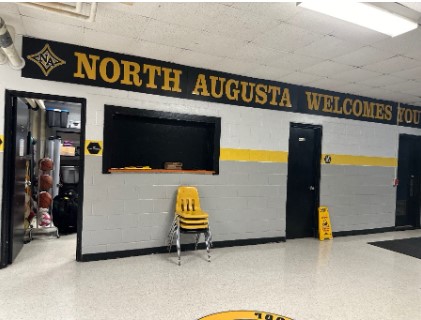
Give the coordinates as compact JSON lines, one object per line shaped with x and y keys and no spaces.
{"x":304,"y":279}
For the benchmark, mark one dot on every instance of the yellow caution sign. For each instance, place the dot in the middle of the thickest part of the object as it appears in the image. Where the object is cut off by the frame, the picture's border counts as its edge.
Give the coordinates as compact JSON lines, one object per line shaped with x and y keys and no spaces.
{"x":325,"y":229}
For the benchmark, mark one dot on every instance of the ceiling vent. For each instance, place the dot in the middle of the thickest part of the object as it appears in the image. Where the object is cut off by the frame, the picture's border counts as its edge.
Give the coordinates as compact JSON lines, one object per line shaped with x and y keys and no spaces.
{"x":80,"y":10}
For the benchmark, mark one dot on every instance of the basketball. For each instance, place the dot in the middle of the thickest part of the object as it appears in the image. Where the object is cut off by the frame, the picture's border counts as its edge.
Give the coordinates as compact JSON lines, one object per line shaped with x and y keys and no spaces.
{"x":46,"y":164}
{"x":44,"y":199}
{"x":45,"y":182}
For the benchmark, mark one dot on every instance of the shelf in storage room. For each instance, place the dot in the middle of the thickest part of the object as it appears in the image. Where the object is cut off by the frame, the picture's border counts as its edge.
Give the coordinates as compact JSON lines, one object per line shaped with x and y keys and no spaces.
{"x":161,"y":171}
{"x":67,"y":130}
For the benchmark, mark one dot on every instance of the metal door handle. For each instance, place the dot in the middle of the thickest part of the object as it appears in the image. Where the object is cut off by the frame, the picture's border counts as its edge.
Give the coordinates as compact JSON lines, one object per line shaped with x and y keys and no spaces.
{"x":312,"y":188}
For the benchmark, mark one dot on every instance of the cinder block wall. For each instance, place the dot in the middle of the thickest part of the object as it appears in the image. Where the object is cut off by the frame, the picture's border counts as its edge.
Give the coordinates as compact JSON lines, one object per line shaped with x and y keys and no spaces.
{"x":248,"y":198}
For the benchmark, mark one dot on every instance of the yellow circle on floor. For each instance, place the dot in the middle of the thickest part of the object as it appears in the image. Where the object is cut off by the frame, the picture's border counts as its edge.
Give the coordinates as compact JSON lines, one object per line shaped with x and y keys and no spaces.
{"x":245,"y":315}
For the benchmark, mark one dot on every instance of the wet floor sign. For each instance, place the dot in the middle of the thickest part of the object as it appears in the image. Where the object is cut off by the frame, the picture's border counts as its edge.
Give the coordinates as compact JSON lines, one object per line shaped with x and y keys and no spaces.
{"x":325,"y":229}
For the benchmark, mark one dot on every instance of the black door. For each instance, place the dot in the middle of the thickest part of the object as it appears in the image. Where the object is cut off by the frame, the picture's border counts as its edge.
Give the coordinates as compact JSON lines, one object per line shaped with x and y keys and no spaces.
{"x":18,"y":174}
{"x":409,"y":176}
{"x":303,"y":180}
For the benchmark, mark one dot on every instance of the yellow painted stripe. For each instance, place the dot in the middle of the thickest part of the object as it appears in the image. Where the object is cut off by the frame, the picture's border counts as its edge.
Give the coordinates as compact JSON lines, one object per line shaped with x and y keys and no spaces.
{"x":2,"y":143}
{"x":343,"y":159}
{"x":87,"y":144}
{"x":227,"y":154}
{"x":230,"y":154}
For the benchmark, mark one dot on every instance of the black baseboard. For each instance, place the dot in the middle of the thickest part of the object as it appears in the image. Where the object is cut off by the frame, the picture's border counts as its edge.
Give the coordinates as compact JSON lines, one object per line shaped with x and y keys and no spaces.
{"x":362,"y":232}
{"x":185,"y":247}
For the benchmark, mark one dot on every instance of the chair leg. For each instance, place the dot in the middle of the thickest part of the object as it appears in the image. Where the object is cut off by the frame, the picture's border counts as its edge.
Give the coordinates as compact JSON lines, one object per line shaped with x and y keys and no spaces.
{"x":197,"y":241}
{"x":171,"y":234}
{"x":208,"y":243}
{"x":178,"y":245}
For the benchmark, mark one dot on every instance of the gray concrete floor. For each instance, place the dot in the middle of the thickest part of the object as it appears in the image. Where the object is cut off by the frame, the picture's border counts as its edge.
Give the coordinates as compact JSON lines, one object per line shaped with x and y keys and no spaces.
{"x":303,"y":279}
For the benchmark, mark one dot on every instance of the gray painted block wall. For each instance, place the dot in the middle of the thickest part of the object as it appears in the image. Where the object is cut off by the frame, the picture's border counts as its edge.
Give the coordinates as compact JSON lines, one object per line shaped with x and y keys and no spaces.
{"x":358,"y":197}
{"x":124,"y":211}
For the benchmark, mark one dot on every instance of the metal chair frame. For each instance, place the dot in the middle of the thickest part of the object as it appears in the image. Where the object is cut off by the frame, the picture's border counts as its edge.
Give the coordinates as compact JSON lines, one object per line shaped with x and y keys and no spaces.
{"x":175,"y":232}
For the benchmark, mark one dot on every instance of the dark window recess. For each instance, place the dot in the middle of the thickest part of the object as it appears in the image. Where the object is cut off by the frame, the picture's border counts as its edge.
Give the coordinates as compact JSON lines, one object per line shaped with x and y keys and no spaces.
{"x":136,"y":137}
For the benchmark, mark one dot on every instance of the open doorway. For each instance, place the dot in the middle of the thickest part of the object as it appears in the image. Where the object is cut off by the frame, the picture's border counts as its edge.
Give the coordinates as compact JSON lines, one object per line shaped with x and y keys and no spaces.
{"x":42,"y":171}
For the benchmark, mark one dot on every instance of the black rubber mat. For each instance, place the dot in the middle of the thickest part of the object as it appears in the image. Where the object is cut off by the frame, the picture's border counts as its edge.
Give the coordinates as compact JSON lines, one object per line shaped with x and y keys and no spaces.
{"x":410,"y":246}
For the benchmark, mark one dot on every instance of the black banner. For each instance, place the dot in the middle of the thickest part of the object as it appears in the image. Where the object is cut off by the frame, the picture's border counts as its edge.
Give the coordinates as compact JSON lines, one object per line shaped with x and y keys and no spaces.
{"x":56,"y":61}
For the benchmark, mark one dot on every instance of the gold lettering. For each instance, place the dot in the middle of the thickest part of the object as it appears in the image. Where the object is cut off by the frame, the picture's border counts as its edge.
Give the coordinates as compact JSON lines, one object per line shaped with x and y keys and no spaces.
{"x":232,"y":94}
{"x":115,"y":70}
{"x":313,"y":100}
{"x":345,"y":104}
{"x":152,"y":71}
{"x":175,"y":80}
{"x":380,"y":110}
{"x":131,"y":72}
{"x":327,"y":105}
{"x":388,"y":112}
{"x":417,"y":116}
{"x":274,"y":91}
{"x":401,"y":111}
{"x":201,"y":85}
{"x":336,"y":108}
{"x":244,"y":91}
{"x":408,"y":116}
{"x":368,"y":109}
{"x":261,"y":96}
{"x":357,"y":108}
{"x":88,"y":67}
{"x":221,"y":86}
{"x":286,"y":99}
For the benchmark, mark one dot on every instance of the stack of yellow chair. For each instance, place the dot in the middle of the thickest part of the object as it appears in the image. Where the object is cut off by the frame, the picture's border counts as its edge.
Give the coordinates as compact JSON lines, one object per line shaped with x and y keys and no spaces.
{"x":189,"y":218}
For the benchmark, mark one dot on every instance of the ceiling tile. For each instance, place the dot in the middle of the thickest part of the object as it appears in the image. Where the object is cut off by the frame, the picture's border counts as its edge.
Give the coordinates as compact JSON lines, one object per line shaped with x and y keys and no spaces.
{"x":273,"y":10}
{"x":254,"y":53}
{"x":144,"y":9}
{"x":409,"y":74}
{"x":394,"y":64}
{"x":106,"y":41}
{"x":327,"y":68}
{"x":154,"y":50}
{"x":363,"y":56}
{"x":286,"y":37}
{"x":328,"y":84}
{"x":130,"y":25}
{"x":214,"y":44}
{"x":410,"y":87}
{"x":327,"y":47}
{"x":401,"y":44}
{"x":198,"y":60}
{"x":351,"y":32}
{"x":297,"y":62}
{"x":381,"y":80}
{"x":53,"y":31}
{"x":300,"y":78}
{"x":237,"y":67}
{"x":270,"y":73}
{"x":169,"y":34}
{"x":355,"y":75}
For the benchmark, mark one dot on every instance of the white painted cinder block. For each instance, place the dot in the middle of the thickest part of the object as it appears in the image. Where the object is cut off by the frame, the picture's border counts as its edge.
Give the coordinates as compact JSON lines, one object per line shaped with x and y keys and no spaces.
{"x":110,"y":201}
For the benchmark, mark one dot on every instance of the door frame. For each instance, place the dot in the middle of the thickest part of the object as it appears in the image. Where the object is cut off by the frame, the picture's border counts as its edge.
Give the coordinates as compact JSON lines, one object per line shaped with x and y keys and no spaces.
{"x":8,"y":179}
{"x":417,"y":224}
{"x":317,"y":169}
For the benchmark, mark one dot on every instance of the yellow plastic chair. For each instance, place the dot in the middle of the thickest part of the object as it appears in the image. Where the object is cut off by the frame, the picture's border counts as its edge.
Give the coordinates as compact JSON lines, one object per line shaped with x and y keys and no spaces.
{"x":189,"y":218}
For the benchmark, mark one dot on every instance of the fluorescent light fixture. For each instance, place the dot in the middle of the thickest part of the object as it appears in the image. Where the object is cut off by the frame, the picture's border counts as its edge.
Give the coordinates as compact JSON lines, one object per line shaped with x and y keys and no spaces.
{"x":365,"y":15}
